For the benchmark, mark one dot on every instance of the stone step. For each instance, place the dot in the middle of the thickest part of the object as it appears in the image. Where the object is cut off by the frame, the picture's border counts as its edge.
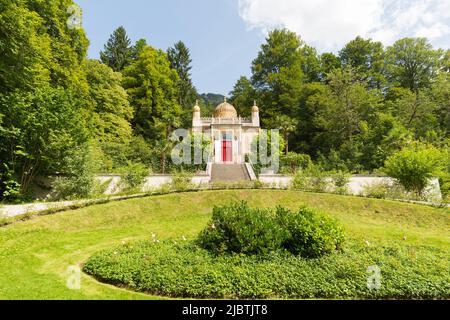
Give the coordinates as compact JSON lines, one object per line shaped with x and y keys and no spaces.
{"x":229,"y":173}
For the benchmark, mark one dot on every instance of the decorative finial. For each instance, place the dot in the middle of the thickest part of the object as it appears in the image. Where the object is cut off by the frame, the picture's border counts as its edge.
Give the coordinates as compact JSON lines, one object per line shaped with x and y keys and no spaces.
{"x":196,"y":102}
{"x":225,"y":99}
{"x":254,"y":103}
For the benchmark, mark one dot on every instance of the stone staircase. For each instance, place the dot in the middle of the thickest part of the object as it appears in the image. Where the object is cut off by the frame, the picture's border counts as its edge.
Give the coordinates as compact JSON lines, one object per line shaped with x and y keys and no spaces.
{"x":229,"y":173}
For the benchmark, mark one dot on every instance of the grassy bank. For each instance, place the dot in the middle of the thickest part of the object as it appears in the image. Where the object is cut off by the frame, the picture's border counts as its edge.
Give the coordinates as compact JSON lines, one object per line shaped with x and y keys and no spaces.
{"x":35,"y":255}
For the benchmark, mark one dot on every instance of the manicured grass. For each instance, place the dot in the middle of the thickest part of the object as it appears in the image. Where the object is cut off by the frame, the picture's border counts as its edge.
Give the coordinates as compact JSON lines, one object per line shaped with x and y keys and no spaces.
{"x":34,"y":255}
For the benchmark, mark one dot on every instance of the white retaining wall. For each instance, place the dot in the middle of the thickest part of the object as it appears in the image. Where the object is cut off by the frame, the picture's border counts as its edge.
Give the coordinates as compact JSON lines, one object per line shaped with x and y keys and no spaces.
{"x":356,"y":184}
{"x":151,"y":182}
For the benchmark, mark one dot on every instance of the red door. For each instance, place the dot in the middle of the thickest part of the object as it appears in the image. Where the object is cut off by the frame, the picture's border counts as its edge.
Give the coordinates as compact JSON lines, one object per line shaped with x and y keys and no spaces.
{"x":227,"y":151}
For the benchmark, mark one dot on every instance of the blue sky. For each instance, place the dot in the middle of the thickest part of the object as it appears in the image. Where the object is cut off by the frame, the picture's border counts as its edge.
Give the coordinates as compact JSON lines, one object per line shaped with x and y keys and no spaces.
{"x":224,"y":36}
{"x":222,"y":46}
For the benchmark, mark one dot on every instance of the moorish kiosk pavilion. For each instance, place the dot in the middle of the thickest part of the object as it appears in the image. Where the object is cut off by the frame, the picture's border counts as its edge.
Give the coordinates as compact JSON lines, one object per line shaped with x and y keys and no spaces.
{"x":232,"y":135}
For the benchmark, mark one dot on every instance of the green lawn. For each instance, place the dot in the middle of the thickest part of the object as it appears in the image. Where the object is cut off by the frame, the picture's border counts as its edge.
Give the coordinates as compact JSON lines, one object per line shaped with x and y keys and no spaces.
{"x":34,"y":255}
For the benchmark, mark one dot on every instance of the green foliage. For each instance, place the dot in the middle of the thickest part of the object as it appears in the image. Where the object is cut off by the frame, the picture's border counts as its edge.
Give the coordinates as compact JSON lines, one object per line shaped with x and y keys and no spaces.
{"x":292,"y":162}
{"x":376,"y":190}
{"x":117,"y":51}
{"x":367,"y":57}
{"x":40,"y":130}
{"x":266,"y":149}
{"x":109,"y":103}
{"x":340,"y":180}
{"x":277,"y":71}
{"x":133,"y":175}
{"x":152,"y":88}
{"x":414,"y":165}
{"x":311,"y":179}
{"x":412,"y":63}
{"x":180,"y":60}
{"x":415,"y":268}
{"x":243,"y":96}
{"x":186,"y":271}
{"x":237,"y":228}
{"x":9,"y":187}
{"x":21,"y":32}
{"x":77,"y":179}
{"x":310,"y":234}
{"x":181,"y":181}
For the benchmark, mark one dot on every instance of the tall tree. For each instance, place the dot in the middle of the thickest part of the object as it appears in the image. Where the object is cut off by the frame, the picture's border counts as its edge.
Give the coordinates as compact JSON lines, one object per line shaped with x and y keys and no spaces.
{"x":278,"y":75}
{"x":117,"y":51}
{"x":242,"y":96}
{"x":412,"y":63}
{"x":40,"y":129}
{"x":180,"y":60}
{"x":112,"y":113}
{"x":68,"y":45}
{"x":328,"y":62}
{"x":152,"y":88}
{"x":37,"y":47}
{"x":137,"y":49}
{"x":311,"y":65}
{"x":366,"y":57}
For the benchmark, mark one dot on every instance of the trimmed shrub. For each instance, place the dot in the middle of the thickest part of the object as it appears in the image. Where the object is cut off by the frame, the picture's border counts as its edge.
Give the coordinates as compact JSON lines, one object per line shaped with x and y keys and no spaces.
{"x":309,"y":234}
{"x":237,"y":228}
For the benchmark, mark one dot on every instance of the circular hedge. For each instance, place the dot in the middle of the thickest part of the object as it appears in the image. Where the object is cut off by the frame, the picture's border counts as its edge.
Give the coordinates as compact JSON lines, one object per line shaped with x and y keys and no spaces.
{"x":270,"y":253}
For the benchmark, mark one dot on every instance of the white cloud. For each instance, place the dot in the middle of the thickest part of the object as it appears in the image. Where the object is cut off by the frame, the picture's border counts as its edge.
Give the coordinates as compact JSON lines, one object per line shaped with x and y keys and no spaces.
{"x":329,"y":24}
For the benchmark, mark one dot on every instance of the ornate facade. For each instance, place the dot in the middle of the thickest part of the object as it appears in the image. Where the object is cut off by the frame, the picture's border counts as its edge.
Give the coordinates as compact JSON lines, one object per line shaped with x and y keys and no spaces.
{"x":232,"y":135}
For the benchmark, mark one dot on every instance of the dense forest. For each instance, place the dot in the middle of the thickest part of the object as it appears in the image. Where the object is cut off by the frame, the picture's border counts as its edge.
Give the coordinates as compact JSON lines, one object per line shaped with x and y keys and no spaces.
{"x":67,"y":116}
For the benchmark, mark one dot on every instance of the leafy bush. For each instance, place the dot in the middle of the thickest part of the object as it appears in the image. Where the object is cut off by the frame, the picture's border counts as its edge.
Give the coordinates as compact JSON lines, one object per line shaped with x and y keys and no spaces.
{"x":414,"y":166}
{"x":310,"y":234}
{"x":312,"y":179}
{"x":237,"y":228}
{"x":292,"y":162}
{"x":378,"y":190}
{"x":77,"y":180}
{"x":340,"y":182}
{"x":133,"y":175}
{"x":240,"y":229}
{"x":181,"y":181}
{"x":9,"y":187}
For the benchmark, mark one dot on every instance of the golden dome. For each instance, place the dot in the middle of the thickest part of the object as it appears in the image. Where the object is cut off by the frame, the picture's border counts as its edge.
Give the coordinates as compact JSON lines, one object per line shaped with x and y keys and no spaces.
{"x":225,"y":110}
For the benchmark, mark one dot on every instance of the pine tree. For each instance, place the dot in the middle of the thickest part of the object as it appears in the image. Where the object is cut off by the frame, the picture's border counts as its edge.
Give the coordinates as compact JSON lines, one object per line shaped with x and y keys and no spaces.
{"x":180,"y":60}
{"x":117,"y":52}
